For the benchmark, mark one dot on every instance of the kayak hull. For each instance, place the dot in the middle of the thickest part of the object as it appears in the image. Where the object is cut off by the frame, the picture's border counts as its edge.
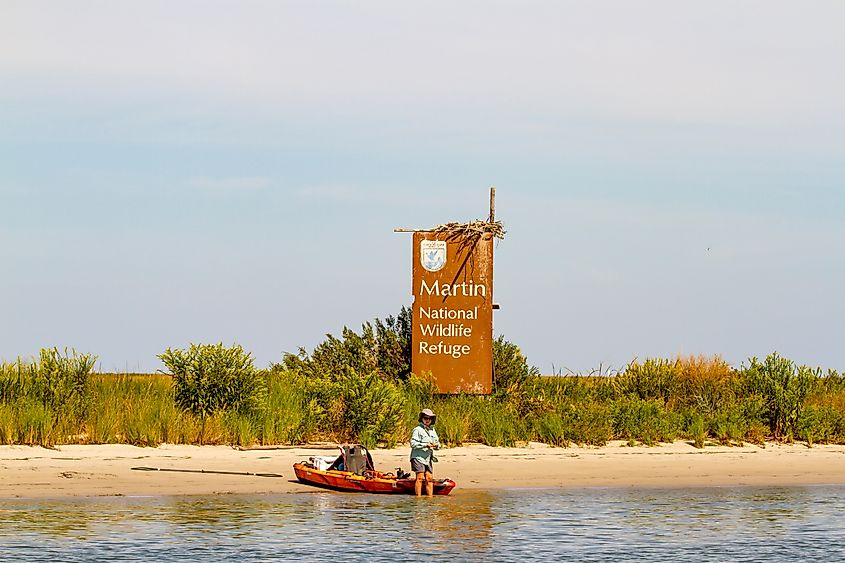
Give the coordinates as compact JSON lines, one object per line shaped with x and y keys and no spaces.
{"x":370,"y":482}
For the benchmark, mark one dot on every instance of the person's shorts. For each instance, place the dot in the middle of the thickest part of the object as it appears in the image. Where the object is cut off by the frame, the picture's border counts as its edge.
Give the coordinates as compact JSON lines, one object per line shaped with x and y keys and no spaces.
{"x":419,"y":467}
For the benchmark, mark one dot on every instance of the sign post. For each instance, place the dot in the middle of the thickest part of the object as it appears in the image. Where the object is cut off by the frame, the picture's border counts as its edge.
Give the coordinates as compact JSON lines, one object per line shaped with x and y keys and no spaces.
{"x":452,"y":334}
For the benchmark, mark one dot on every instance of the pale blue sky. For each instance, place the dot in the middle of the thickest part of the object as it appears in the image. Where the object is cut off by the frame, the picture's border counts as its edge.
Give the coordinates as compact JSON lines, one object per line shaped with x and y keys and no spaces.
{"x":671,"y":175}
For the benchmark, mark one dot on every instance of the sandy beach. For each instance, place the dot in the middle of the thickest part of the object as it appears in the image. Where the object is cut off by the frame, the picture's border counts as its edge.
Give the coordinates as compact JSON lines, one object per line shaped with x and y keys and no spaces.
{"x":106,"y":470}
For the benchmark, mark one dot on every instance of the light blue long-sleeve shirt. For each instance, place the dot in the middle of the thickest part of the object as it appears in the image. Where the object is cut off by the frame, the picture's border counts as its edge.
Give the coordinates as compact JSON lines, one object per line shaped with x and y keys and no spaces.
{"x":420,"y":438}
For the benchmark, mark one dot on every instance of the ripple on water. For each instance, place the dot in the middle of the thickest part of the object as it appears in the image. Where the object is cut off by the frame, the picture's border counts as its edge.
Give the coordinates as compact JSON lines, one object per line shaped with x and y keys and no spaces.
{"x":712,"y":524}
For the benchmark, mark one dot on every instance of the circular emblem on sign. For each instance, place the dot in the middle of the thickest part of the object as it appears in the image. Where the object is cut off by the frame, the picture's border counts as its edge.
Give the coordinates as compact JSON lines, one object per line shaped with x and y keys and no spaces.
{"x":433,"y":254}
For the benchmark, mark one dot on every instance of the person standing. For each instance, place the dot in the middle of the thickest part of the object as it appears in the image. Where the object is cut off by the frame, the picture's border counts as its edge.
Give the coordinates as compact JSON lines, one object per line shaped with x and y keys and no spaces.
{"x":424,"y":441}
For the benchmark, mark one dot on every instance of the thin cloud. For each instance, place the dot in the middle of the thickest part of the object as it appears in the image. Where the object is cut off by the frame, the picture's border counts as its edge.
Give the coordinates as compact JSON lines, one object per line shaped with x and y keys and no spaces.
{"x":229,"y":184}
{"x":664,"y":61}
{"x":340,"y":192}
{"x":329,"y":191}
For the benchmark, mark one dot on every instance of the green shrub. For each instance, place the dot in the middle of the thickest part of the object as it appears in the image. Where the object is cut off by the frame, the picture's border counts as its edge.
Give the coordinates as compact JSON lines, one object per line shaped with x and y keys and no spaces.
{"x":783,"y":387}
{"x":730,"y":425}
{"x":704,"y":384}
{"x":510,"y":367}
{"x":820,"y":424}
{"x":374,"y":409}
{"x":61,"y":381}
{"x":385,"y":349}
{"x":210,"y":379}
{"x":589,"y":423}
{"x":393,"y":345}
{"x":362,"y":408}
{"x":654,"y":379}
{"x":336,"y":358}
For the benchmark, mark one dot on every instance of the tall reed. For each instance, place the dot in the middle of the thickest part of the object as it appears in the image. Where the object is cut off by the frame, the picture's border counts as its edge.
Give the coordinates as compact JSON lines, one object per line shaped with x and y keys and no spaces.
{"x":55,"y":399}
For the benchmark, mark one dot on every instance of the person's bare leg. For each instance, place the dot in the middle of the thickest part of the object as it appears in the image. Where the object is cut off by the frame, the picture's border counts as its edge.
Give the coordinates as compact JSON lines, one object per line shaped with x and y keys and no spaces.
{"x":429,"y":484}
{"x":418,"y":484}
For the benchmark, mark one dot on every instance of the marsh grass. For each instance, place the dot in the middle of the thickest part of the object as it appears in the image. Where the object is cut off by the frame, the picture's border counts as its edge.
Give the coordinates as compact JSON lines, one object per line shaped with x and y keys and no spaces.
{"x":243,"y":430}
{"x":550,"y":428}
{"x":495,"y":425}
{"x":132,"y":409}
{"x":643,"y":420}
{"x":693,"y":398}
{"x":35,"y":425}
{"x":44,"y":399}
{"x":455,"y":419}
{"x":697,"y":430}
{"x":290,"y":416}
{"x":589,"y":423}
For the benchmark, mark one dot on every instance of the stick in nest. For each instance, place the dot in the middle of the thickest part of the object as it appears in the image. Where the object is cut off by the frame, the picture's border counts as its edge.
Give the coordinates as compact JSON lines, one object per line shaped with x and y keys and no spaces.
{"x":471,"y":230}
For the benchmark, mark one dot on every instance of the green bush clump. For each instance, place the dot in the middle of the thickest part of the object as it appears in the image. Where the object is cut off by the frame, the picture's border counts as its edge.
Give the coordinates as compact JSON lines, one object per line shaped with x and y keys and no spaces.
{"x":357,"y":408}
{"x":210,"y":378}
{"x":783,"y":387}
{"x":589,"y":423}
{"x":729,"y":425}
{"x":820,"y":424}
{"x":704,"y":385}
{"x":61,"y":381}
{"x":510,"y":366}
{"x":385,"y":349}
{"x":353,"y":385}
{"x":654,"y":379}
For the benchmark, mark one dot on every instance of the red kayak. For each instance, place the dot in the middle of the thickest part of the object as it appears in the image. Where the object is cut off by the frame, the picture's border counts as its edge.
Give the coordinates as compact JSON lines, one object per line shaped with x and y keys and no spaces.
{"x":353,"y":471}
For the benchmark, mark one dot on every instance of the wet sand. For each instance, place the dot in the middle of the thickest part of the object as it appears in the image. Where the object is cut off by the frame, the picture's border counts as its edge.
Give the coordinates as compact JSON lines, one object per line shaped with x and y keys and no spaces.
{"x":106,"y":470}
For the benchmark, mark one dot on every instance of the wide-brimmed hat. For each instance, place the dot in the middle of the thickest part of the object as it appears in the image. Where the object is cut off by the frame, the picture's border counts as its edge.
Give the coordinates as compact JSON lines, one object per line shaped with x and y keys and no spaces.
{"x":428,"y":413}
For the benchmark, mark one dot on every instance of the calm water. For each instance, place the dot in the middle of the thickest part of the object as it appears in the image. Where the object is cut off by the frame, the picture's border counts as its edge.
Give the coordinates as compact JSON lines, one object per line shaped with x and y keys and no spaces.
{"x":714,"y":524}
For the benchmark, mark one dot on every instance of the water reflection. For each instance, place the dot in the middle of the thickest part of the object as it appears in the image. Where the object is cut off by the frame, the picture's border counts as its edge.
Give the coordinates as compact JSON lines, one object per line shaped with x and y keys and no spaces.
{"x":400,"y":525}
{"x":439,"y":522}
{"x":210,"y":515}
{"x":779,"y":524}
{"x":73,"y":519}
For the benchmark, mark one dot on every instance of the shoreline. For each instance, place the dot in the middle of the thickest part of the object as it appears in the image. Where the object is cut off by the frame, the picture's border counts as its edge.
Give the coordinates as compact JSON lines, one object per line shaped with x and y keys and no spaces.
{"x":32,"y":472}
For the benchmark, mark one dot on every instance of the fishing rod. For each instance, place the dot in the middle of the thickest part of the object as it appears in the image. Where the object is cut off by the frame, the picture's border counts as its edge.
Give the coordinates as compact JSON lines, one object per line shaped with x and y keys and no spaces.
{"x":207,"y":471}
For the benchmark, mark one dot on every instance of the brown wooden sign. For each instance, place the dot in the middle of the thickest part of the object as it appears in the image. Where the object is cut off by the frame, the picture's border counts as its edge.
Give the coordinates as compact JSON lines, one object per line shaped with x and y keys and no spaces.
{"x":452,"y":335}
